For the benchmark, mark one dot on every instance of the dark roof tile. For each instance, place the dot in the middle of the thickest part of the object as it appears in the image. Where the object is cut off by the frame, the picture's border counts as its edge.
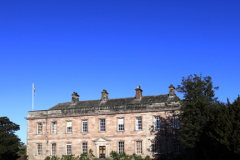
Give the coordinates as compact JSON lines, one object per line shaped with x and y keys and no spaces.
{"x":117,"y":102}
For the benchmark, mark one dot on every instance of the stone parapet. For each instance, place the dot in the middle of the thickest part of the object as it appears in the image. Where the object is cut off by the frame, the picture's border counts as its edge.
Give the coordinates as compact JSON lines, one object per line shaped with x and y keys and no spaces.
{"x":103,"y":110}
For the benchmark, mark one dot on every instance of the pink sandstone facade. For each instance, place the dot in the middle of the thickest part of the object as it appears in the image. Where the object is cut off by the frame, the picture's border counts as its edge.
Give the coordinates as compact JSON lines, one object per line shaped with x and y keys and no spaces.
{"x":123,"y":127}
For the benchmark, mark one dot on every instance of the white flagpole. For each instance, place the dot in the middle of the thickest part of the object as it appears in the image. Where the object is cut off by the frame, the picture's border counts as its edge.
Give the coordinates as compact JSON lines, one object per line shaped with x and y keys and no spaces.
{"x":32,"y":97}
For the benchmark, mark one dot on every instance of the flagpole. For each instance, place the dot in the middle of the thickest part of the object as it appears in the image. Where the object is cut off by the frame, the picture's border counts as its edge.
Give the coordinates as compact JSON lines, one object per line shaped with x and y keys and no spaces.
{"x":32,"y":97}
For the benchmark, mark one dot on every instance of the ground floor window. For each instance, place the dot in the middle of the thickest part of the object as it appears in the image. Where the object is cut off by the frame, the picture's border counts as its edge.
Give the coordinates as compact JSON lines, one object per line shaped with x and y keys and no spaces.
{"x":139,"y":147}
{"x":84,"y":147}
{"x":176,"y":146}
{"x":157,"y":147}
{"x":39,"y":149}
{"x":69,"y":149}
{"x":120,"y":147}
{"x":54,"y":149}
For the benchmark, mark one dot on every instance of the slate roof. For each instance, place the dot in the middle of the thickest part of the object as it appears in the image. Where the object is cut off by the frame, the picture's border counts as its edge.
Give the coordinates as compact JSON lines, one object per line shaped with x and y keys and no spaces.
{"x":164,"y":98}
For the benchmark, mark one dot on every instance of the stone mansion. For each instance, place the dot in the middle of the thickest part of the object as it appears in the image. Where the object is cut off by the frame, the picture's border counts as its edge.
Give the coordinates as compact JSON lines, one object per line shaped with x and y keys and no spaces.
{"x":145,"y":125}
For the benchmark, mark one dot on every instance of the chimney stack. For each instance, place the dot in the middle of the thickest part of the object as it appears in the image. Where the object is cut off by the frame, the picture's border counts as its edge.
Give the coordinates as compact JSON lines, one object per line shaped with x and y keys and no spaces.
{"x":104,"y":95}
{"x":75,"y":97}
{"x":171,"y":90}
{"x":138,"y":93}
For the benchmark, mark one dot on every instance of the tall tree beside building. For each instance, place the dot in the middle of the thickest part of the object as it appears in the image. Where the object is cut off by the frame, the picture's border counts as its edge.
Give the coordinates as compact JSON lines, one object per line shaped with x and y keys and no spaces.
{"x":198,"y":100}
{"x":9,"y":142}
{"x":224,"y":130}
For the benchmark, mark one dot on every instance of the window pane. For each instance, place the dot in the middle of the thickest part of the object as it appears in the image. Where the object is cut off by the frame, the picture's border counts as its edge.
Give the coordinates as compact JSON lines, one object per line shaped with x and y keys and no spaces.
{"x":157,"y":147}
{"x":138,"y":123}
{"x":157,"y":122}
{"x":139,"y":147}
{"x":69,"y":127}
{"x":54,"y":149}
{"x":120,"y":121}
{"x":69,"y":149}
{"x":176,"y":145}
{"x":102,"y":124}
{"x":39,"y":149}
{"x":121,"y":124}
{"x":39,"y":128}
{"x":120,"y":147}
{"x":54,"y":127}
{"x":84,"y":147}
{"x":69,"y":124}
{"x":176,"y":123}
{"x":84,"y":126}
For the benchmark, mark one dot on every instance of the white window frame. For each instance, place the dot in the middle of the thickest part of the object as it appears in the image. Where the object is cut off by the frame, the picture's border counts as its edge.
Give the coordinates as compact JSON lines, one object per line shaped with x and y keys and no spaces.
{"x":68,"y":130}
{"x":138,"y":122}
{"x":55,"y":149}
{"x":120,"y":124}
{"x":39,"y":150}
{"x":84,"y":129}
{"x":68,"y":144}
{"x":54,"y":127}
{"x":84,"y":146}
{"x":121,"y":147}
{"x":157,"y":122}
{"x":101,"y":123}
{"x":39,"y":128}
{"x":176,"y":123}
{"x":176,"y":146}
{"x":139,"y":143}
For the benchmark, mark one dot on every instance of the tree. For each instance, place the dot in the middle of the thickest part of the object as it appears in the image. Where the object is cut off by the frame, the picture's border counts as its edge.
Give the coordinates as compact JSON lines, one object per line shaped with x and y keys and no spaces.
{"x":197,"y":104}
{"x":224,"y":130}
{"x":9,"y":142}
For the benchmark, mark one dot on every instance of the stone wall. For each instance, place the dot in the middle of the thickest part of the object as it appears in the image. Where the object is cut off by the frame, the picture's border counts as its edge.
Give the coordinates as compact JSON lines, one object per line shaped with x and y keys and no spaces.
{"x":94,"y":137}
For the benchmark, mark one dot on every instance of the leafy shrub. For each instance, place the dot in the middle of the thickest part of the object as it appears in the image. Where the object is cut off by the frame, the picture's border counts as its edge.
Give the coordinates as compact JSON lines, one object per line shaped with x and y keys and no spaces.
{"x":147,"y":158}
{"x":123,"y":156}
{"x":48,"y":158}
{"x":90,"y":156}
{"x":87,"y":156}
{"x":69,"y":157}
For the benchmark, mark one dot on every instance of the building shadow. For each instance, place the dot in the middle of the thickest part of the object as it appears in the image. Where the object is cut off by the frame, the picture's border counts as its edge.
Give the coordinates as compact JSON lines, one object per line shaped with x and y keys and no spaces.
{"x":166,"y":144}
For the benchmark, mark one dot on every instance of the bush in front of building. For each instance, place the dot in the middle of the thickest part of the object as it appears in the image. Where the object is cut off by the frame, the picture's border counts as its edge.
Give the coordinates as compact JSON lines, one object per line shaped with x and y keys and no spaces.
{"x":64,"y":157}
{"x":87,"y":156}
{"x":123,"y":156}
{"x":52,"y":158}
{"x":90,"y":156}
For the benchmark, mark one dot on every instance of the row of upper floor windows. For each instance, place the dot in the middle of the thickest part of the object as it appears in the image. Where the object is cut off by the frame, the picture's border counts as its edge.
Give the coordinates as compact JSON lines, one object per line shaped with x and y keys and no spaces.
{"x":102,"y":125}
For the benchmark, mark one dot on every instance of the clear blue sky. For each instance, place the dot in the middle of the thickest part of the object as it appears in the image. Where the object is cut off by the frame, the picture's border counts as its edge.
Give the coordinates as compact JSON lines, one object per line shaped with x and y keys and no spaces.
{"x":87,"y":46}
